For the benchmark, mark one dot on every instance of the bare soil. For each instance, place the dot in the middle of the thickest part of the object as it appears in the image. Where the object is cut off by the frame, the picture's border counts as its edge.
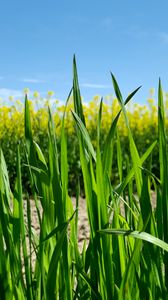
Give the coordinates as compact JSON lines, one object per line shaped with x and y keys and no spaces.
{"x":83,"y":225}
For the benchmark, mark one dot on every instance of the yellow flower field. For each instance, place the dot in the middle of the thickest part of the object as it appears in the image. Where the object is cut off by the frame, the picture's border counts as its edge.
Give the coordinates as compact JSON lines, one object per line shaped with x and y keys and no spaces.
{"x":142,"y":118}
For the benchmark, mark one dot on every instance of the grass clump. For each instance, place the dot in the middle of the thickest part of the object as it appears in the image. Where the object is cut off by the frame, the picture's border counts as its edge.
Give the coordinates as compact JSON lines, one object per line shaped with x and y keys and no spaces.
{"x":127,"y":254}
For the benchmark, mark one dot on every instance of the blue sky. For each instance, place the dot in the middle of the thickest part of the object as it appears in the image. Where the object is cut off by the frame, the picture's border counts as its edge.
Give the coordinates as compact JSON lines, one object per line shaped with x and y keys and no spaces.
{"x":39,"y":38}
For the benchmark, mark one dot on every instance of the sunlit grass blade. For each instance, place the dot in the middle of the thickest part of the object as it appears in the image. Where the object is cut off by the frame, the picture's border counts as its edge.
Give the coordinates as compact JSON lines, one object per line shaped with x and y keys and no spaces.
{"x":99,"y":120}
{"x":138,"y":235}
{"x":67,"y":206}
{"x":94,"y":209}
{"x":163,"y":170}
{"x":28,"y":129}
{"x":117,"y":89}
{"x":133,"y":149}
{"x":145,"y":204}
{"x":54,"y":170}
{"x":121,"y":187}
{"x":52,"y":272}
{"x":64,"y":155}
{"x":108,"y":146}
{"x":76,"y":93}
{"x":85,"y":134}
{"x":90,"y":284}
{"x":23,"y":230}
{"x":119,"y":158}
{"x":131,"y":95}
{"x":146,"y":171}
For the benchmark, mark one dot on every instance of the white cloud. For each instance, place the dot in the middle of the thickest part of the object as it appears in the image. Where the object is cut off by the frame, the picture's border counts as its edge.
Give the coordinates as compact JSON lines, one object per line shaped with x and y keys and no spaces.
{"x":97,"y":86}
{"x":5,"y":93}
{"x":32,"y":80}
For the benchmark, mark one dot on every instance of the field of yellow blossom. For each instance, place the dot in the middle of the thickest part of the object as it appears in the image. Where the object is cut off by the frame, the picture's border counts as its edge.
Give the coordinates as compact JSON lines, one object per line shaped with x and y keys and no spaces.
{"x":143,"y":122}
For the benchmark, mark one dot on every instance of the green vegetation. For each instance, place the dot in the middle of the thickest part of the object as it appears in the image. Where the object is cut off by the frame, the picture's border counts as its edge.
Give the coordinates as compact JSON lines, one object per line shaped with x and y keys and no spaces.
{"x":127,"y":254}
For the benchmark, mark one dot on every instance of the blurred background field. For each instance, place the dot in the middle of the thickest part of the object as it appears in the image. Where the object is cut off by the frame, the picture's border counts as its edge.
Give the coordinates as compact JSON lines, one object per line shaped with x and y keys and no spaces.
{"x":143,"y":122}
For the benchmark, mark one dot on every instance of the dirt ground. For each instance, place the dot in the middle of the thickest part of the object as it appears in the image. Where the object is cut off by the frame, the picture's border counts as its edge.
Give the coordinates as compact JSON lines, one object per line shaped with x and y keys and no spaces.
{"x":83,"y":226}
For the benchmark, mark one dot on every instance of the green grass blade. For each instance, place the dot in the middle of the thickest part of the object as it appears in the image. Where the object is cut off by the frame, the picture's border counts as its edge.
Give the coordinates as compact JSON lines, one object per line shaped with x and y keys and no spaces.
{"x":133,"y":149}
{"x":131,"y":95}
{"x":90,"y":284}
{"x":119,"y":189}
{"x":119,"y":158}
{"x":85,"y":134}
{"x":138,"y":235}
{"x":52,"y":272}
{"x":108,"y":146}
{"x":163,"y":170}
{"x":23,"y":231}
{"x":76,"y":93}
{"x":117,"y":89}
{"x":28,"y":129}
{"x":99,"y":120}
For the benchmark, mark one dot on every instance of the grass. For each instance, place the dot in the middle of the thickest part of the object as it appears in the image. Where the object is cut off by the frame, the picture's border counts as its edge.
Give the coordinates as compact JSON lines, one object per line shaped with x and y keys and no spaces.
{"x":127,"y":254}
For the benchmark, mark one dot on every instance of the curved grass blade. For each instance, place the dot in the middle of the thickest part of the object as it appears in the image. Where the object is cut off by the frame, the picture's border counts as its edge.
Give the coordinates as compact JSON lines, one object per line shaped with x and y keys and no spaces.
{"x":28,"y":129}
{"x":146,"y":171}
{"x":76,"y":93}
{"x":52,"y":272}
{"x":64,"y":159}
{"x":40,"y":156}
{"x":99,"y":120}
{"x":119,"y":189}
{"x":108,"y":147}
{"x":85,"y":134}
{"x":130,"y":96}
{"x":117,"y":89}
{"x":23,"y":230}
{"x":90,"y":284}
{"x":138,"y":235}
{"x":133,"y":149}
{"x":163,"y":170}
